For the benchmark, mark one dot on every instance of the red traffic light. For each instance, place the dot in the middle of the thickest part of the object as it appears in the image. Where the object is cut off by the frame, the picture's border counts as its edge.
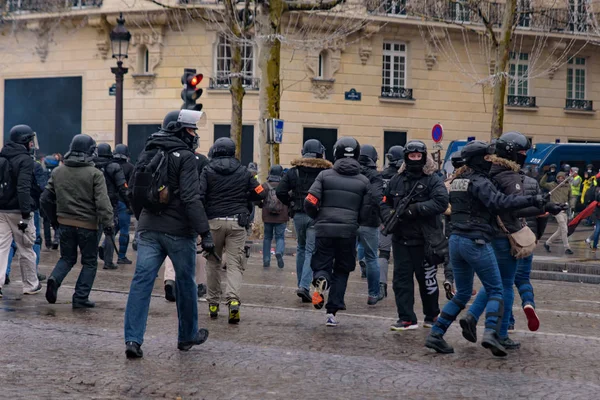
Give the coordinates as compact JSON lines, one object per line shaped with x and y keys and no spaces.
{"x":195,"y":80}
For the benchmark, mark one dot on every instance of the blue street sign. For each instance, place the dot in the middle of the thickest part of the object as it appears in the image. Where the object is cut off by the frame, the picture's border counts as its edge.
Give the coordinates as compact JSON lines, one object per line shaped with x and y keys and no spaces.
{"x":437,"y":133}
{"x":112,"y":91}
{"x":353,"y":95}
{"x":278,"y":130}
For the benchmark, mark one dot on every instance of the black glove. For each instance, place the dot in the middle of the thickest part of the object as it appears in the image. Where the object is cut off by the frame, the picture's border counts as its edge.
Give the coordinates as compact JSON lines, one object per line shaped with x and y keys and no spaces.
{"x":555,"y":208}
{"x":540,"y":200}
{"x":108,"y":230}
{"x":411,"y":211}
{"x":208,"y":244}
{"x":25,"y":216}
{"x":22,"y":225}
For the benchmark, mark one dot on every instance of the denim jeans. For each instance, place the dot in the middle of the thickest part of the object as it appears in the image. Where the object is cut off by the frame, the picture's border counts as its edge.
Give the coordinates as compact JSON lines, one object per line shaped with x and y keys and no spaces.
{"x":279,"y":231}
{"x":87,"y":240}
{"x":305,"y":232}
{"x":368,"y":238}
{"x":467,"y":258}
{"x":123,"y":223}
{"x":153,"y":248}
{"x":37,"y":245}
{"x":507,"y":265}
{"x":523,"y":284}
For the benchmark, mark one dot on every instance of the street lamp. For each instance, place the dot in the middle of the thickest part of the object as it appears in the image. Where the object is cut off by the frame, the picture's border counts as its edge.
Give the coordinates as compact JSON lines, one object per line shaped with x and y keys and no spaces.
{"x":119,"y":39}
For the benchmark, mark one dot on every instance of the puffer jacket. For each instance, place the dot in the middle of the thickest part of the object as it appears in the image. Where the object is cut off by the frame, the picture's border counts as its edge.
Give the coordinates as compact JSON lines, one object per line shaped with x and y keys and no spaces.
{"x":430,"y":202}
{"x":373,"y":216}
{"x":336,"y":199}
{"x":21,"y":165}
{"x":536,"y":219}
{"x":116,"y":184}
{"x":296,"y":182}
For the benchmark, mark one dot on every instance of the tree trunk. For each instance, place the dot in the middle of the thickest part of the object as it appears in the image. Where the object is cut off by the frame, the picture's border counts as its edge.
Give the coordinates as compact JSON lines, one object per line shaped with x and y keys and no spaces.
{"x":502,"y":61}
{"x":269,"y":29}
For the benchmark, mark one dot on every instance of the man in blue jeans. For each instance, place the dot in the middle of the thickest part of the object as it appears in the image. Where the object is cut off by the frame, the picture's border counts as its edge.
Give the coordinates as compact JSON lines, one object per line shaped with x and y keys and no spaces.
{"x":275,"y":217}
{"x":168,"y":227}
{"x":292,"y":191}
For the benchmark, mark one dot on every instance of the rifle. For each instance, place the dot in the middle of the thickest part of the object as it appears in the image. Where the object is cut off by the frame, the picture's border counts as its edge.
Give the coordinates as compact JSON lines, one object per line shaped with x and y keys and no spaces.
{"x":395,"y":216}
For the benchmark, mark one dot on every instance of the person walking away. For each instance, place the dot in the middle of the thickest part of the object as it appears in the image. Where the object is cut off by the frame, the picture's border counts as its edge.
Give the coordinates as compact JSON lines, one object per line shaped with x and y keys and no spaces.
{"x":116,"y":185}
{"x":428,"y":200}
{"x":50,"y":163}
{"x":292,"y":190}
{"x":275,"y":217}
{"x":76,"y":202}
{"x":166,"y":202}
{"x":335,"y":201}
{"x":475,"y":202}
{"x":226,"y":187}
{"x":576,"y":182}
{"x":560,"y":196}
{"x":395,"y":159}
{"x":16,"y":206}
{"x":368,"y":233}
{"x":121,"y":157}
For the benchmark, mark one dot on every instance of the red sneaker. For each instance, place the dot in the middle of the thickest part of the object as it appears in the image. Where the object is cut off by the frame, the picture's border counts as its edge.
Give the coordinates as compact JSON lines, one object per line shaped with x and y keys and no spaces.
{"x":533,"y":322}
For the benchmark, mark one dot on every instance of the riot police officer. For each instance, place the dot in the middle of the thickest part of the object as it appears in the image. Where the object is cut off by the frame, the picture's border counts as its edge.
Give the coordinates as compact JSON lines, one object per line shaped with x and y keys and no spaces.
{"x":121,"y":157}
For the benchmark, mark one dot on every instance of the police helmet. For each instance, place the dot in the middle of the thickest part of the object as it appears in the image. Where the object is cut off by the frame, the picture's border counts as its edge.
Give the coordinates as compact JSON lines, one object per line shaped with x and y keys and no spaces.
{"x":457,"y":159}
{"x":223,"y":147}
{"x":395,"y":155}
{"x":104,"y":150}
{"x":313,"y":149}
{"x":511,"y":145}
{"x":22,"y":134}
{"x":368,"y":156}
{"x":121,"y":151}
{"x":346,"y":147}
{"x":82,"y":145}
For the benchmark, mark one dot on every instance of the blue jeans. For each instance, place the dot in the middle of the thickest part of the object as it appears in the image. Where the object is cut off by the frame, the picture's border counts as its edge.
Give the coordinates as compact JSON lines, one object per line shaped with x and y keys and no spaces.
{"x":279,"y":230}
{"x":305,"y":232}
{"x":596,"y":234}
{"x":123,"y":222}
{"x":37,"y":245}
{"x":368,"y":238}
{"x":468,"y":257}
{"x":523,"y":284}
{"x":507,"y":265}
{"x":153,"y":248}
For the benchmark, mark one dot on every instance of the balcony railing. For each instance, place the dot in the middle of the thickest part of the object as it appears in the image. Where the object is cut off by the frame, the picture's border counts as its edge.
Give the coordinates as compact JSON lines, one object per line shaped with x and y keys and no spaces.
{"x":400,"y":93}
{"x":579,"y":105}
{"x":225,"y":83}
{"x":49,"y":5}
{"x":521,"y":101}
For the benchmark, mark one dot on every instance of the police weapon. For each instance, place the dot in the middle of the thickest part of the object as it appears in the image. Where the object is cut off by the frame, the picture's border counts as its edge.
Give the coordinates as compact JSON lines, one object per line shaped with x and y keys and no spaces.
{"x":211,"y":253}
{"x":392,"y":221}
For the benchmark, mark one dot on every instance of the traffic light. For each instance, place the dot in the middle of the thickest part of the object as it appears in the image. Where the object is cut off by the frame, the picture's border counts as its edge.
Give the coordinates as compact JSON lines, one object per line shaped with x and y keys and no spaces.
{"x":190,"y":94}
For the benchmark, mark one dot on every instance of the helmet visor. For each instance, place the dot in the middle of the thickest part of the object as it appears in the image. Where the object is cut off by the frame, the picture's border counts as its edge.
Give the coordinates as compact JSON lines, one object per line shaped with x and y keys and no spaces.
{"x":192,"y":119}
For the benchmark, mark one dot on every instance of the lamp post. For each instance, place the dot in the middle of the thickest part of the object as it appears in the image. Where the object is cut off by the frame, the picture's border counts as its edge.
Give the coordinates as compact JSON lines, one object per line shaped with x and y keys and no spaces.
{"x":119,"y":39}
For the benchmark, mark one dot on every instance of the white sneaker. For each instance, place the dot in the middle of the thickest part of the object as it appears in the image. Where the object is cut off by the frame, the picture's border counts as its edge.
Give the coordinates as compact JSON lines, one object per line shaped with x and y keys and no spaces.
{"x":331,"y":321}
{"x":589,"y":242}
{"x":36,"y":290}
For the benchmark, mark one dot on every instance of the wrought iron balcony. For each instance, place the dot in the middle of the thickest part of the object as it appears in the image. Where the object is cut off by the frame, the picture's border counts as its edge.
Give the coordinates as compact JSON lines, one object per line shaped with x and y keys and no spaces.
{"x":225,"y":83}
{"x":49,"y":5}
{"x":391,"y":92}
{"x":521,"y":101}
{"x":579,"y":105}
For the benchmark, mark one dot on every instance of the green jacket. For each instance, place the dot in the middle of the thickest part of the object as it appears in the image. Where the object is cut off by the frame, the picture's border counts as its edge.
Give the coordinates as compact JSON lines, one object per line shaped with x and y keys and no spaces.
{"x":560,"y":195}
{"x":81,"y":197}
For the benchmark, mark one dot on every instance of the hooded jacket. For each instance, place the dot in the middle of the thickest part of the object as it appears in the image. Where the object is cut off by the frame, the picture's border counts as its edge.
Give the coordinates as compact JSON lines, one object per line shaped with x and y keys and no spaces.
{"x":430,"y":202}
{"x":184,"y":215}
{"x":21,"y":165}
{"x":79,"y":191}
{"x":116,"y":184}
{"x":372,"y":218}
{"x":226,"y":187}
{"x":296,"y":182}
{"x":337,"y":199}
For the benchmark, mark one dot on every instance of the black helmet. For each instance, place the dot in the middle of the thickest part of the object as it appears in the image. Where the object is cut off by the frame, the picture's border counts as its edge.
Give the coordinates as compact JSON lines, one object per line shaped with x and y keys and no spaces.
{"x":566,"y":168}
{"x":21,"y":134}
{"x":252,"y":167}
{"x":368,"y":156}
{"x":121,"y":151}
{"x":474,"y":153}
{"x":223,"y":147}
{"x":415,"y":146}
{"x":82,"y":145}
{"x":177,"y":120}
{"x":313,"y":149}
{"x":104,"y":150}
{"x":590,"y":166}
{"x":553,"y":166}
{"x":275,"y":173}
{"x":395,"y":156}
{"x":346,"y":147}
{"x":457,"y":159}
{"x":512,"y":145}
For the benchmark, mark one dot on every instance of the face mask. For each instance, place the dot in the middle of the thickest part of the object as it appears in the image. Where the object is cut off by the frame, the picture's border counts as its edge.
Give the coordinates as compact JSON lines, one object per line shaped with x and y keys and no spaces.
{"x":589,"y":171}
{"x":552,"y":170}
{"x":521,"y":158}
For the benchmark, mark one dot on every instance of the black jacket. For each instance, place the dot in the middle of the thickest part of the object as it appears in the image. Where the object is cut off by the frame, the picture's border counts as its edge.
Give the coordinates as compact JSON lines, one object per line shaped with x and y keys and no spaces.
{"x":337,"y":198}
{"x":21,"y":165}
{"x":429,"y":203}
{"x":116,"y":183}
{"x":372,"y":217}
{"x":389,"y":172}
{"x":226,"y":187}
{"x":184,"y":215}
{"x":40,"y":180}
{"x":202,"y":162}
{"x":296,"y":182}
{"x":536,"y":219}
{"x":127,"y":168}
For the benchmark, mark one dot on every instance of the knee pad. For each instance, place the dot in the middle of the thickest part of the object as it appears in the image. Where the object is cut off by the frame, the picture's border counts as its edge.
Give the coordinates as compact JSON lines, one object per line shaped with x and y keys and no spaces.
{"x":384,"y":254}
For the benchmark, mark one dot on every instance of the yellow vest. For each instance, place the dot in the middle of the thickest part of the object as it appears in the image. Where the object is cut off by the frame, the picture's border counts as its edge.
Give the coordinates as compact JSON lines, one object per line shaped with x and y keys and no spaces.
{"x":576,"y":186}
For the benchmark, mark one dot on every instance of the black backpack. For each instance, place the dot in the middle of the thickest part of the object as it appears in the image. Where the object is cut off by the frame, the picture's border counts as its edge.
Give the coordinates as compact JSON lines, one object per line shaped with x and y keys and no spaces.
{"x":150,"y":182}
{"x":272,"y":203}
{"x":7,"y":183}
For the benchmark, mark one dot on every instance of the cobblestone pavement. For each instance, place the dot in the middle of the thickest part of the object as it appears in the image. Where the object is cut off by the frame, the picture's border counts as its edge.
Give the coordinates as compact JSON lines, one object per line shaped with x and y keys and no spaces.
{"x":282,"y":349}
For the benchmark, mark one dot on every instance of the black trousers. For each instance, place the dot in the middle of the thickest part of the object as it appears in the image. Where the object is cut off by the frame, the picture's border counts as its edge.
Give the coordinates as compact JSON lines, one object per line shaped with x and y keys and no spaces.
{"x":334,"y":259}
{"x":409,"y":261}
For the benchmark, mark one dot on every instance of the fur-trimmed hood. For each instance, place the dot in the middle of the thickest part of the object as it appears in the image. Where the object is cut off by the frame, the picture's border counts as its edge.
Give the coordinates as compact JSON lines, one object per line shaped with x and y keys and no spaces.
{"x":320,"y":163}
{"x":506,"y":164}
{"x":429,"y":168}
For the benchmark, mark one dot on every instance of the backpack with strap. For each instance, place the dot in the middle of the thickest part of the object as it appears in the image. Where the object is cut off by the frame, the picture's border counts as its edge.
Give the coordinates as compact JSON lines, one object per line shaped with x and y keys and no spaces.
{"x":7,"y":183}
{"x":150,"y":182}
{"x":272,"y":203}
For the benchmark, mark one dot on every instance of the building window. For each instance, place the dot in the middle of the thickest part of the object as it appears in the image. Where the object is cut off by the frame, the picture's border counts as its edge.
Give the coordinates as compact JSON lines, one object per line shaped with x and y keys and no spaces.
{"x":519,"y":74}
{"x":392,"y":138}
{"x":524,"y":13}
{"x":223,"y":63}
{"x":578,"y":15}
{"x":324,"y":65}
{"x":327,"y":137}
{"x":460,"y":12}
{"x":576,"y":78}
{"x":394,"y":65}
{"x":143,"y":60}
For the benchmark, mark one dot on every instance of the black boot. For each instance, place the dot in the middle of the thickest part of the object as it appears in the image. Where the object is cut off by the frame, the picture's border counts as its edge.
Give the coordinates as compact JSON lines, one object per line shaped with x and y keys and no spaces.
{"x":133,"y":350}
{"x":510,"y":344}
{"x":469,"y":328}
{"x":436,"y":342}
{"x":383,"y":289}
{"x":492,"y":342}
{"x":170,"y":290}
{"x":363,"y":269}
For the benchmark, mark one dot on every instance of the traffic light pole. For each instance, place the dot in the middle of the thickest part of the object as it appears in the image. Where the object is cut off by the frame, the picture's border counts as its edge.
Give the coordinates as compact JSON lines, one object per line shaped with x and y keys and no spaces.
{"x":119,"y":72}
